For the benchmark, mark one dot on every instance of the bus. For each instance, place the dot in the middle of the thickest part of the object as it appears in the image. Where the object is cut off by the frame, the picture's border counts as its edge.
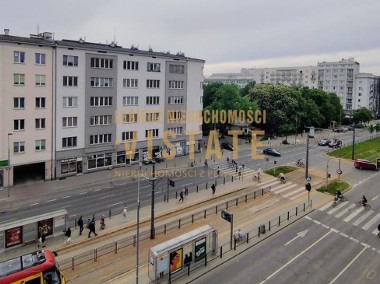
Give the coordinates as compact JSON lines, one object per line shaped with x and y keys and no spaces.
{"x":39,"y":267}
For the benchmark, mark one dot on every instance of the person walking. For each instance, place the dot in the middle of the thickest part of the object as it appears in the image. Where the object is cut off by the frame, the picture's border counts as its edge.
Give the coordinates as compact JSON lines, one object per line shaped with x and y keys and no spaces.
{"x":218,"y":171}
{"x":80,"y":224}
{"x":125,"y":212}
{"x":102,"y":223}
{"x":91,"y":227}
{"x":68,"y":235}
{"x":140,"y":165}
{"x":213,"y":187}
{"x":41,"y":241}
{"x":180,"y":196}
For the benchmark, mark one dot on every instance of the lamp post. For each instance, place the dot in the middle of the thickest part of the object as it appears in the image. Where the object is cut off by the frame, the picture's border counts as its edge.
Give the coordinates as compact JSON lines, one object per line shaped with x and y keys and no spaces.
{"x":353,"y":142}
{"x":309,"y":135}
{"x":9,"y":164}
{"x":153,"y":179}
{"x":138,"y":229}
{"x":327,"y":172}
{"x":295,"y":136}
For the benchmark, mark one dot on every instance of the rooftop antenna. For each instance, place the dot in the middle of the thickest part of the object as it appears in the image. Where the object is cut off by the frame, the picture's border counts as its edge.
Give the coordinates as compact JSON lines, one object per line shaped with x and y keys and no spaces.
{"x":38,"y":29}
{"x":114,"y":35}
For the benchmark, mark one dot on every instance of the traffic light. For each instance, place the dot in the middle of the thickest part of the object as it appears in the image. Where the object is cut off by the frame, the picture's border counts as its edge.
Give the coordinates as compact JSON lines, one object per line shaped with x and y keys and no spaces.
{"x":171,"y":183}
{"x":308,"y":186}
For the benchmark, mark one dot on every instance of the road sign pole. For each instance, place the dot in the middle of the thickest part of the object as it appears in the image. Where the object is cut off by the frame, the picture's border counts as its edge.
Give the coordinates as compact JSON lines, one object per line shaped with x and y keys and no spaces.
{"x":232,"y":230}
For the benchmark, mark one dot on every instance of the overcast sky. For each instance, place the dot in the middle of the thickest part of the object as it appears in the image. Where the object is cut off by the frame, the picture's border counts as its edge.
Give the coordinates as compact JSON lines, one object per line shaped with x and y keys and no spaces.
{"x":228,"y":35}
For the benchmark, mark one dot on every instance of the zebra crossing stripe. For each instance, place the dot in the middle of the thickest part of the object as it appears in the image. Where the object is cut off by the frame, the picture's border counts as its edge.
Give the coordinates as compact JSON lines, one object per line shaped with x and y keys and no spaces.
{"x":345,"y":211}
{"x":344,"y":203}
{"x":282,"y":189}
{"x":371,"y":222}
{"x":328,"y":205}
{"x":298,"y":195}
{"x":362,"y":218}
{"x":288,"y":195}
{"x":353,"y":214}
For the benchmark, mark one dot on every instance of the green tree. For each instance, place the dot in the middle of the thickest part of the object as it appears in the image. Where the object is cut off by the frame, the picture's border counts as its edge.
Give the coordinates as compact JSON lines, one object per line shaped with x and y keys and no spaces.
{"x":209,"y":93}
{"x":377,"y":127}
{"x":245,"y":90}
{"x":371,"y":128}
{"x":362,"y":115}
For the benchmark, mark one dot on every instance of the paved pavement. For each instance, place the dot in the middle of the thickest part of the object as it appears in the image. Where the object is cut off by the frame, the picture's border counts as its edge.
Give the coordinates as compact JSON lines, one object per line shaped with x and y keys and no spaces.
{"x":293,"y":190}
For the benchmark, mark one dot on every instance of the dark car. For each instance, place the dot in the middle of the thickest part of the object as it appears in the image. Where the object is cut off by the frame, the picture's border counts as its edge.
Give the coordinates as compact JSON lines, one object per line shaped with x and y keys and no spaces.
{"x":362,"y":164}
{"x":336,"y":143}
{"x":271,"y":152}
{"x":324,"y":142}
{"x":226,"y":146}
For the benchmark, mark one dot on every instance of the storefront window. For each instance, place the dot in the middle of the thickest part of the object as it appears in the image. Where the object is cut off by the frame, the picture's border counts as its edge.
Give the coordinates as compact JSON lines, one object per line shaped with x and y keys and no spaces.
{"x":120,"y":157}
{"x":68,"y":166}
{"x":99,"y":161}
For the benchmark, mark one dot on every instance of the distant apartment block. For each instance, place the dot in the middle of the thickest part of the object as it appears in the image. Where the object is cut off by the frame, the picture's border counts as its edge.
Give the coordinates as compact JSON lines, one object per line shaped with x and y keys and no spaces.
{"x":70,"y":107}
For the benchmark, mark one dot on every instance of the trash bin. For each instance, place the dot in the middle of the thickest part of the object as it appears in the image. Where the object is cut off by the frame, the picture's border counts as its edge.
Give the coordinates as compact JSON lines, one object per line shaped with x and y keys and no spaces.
{"x":262,"y":229}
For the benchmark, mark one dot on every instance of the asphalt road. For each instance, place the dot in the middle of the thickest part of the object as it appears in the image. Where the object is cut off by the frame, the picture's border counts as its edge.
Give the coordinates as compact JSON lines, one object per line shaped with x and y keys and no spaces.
{"x":112,"y":199}
{"x":330,"y":245}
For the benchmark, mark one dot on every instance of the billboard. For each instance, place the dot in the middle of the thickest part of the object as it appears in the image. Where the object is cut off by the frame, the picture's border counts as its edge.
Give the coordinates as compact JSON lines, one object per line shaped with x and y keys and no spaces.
{"x":200,"y":249}
{"x":176,"y":260}
{"x":13,"y":237}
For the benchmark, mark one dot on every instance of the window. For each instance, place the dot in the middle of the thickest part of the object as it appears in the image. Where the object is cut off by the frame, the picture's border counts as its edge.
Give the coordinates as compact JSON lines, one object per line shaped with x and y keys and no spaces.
{"x":99,"y":161}
{"x":40,"y":102}
{"x":174,"y":115}
{"x":70,"y":121}
{"x":152,"y":100}
{"x":130,"y":101}
{"x":19,"y":124}
{"x":131,"y":65}
{"x":176,"y":130}
{"x":177,"y":69}
{"x":18,"y":103}
{"x":153,"y":84}
{"x":153,"y":67}
{"x":40,"y":123}
{"x":100,"y":101}
{"x":101,"y":120}
{"x":40,"y":58}
{"x":130,"y":83}
{"x":19,"y":147}
{"x":40,"y":80}
{"x":70,"y":101}
{"x":70,"y":60}
{"x":128,"y":135}
{"x":360,"y":94}
{"x":101,"y":63}
{"x":101,"y":82}
{"x":68,"y":142}
{"x":19,"y":79}
{"x":130,"y":118}
{"x":175,"y":100}
{"x":152,"y":116}
{"x":100,"y":139}
{"x":40,"y":145}
{"x":175,"y":84}
{"x":18,"y":57}
{"x":70,"y":81}
{"x":151,"y":133}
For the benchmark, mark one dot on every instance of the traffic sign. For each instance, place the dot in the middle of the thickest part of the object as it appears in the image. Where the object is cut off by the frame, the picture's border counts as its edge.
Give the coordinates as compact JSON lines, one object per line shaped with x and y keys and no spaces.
{"x":308,"y":178}
{"x":226,"y":216}
{"x":339,"y":171}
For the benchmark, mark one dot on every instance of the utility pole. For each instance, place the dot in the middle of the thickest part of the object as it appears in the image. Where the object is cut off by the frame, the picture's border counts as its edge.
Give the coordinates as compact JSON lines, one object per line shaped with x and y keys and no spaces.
{"x":152,"y":233}
{"x":9,"y":164}
{"x":353,"y":143}
{"x":138,"y":229}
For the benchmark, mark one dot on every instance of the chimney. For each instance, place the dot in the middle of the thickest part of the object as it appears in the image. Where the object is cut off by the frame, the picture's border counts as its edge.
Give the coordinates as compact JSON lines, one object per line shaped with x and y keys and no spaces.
{"x":6,"y":31}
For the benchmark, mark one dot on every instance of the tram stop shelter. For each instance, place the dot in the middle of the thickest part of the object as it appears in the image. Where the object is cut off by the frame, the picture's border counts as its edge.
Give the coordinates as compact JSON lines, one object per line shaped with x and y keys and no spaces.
{"x":23,"y":231}
{"x":175,"y":256}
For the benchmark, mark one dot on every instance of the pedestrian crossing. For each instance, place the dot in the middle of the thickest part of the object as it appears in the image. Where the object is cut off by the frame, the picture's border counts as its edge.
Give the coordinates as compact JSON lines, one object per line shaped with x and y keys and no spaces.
{"x":368,"y":220}
{"x":289,"y":190}
{"x":230,"y":170}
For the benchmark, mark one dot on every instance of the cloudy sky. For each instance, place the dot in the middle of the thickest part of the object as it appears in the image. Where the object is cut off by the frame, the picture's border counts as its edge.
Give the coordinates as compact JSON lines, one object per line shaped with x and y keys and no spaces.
{"x":229,"y":35}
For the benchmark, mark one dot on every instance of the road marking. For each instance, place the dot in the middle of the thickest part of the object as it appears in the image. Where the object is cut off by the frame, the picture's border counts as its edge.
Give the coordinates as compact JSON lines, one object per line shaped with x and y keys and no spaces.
{"x":66,"y":196}
{"x":70,"y":216}
{"x":294,"y":258}
{"x":111,"y":205}
{"x":83,"y":193}
{"x":51,"y":200}
{"x":348,"y":265}
{"x":344,"y":203}
{"x":353,"y":214}
{"x":300,"y":234}
{"x":106,"y":196}
{"x":375,"y":198}
{"x":33,"y":204}
{"x":362,"y":218}
{"x":371,"y":222}
{"x":98,"y":189}
{"x":345,"y":211}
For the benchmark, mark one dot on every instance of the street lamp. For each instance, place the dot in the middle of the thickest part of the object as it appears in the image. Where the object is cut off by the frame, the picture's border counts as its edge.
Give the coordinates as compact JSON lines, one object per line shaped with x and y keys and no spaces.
{"x":138,"y":229}
{"x":353,"y":142}
{"x":153,"y":179}
{"x":9,"y":164}
{"x":309,"y":135}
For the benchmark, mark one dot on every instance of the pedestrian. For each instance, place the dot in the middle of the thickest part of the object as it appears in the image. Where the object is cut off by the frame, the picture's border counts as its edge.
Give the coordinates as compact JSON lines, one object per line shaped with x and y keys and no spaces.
{"x":68,"y":235}
{"x":218,"y":171}
{"x":125,"y":216}
{"x":41,"y":240}
{"x":140,"y":165}
{"x":80,"y":224}
{"x":180,"y":196}
{"x":91,"y":227}
{"x":213,"y":187}
{"x":102,"y":223}
{"x":239,"y":174}
{"x":186,"y":191}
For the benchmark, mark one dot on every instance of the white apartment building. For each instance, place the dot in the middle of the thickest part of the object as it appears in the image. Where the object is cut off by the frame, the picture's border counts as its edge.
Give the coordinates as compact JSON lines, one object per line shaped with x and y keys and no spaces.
{"x":367,"y":92}
{"x":338,"y":78}
{"x":26,"y":108}
{"x":291,"y":76}
{"x":70,"y":106}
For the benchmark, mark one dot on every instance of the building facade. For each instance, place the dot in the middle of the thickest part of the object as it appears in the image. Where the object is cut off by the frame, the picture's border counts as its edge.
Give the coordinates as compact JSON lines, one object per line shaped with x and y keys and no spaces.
{"x":91,"y":106}
{"x":367,"y":92}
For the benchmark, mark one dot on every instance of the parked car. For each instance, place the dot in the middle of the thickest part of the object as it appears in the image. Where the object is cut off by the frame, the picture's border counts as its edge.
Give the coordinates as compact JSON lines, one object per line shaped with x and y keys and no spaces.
{"x":341,"y":129}
{"x":359,"y":125}
{"x":336,"y":143}
{"x":324,"y":142}
{"x":227,"y":146}
{"x":362,"y":164}
{"x":271,"y":152}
